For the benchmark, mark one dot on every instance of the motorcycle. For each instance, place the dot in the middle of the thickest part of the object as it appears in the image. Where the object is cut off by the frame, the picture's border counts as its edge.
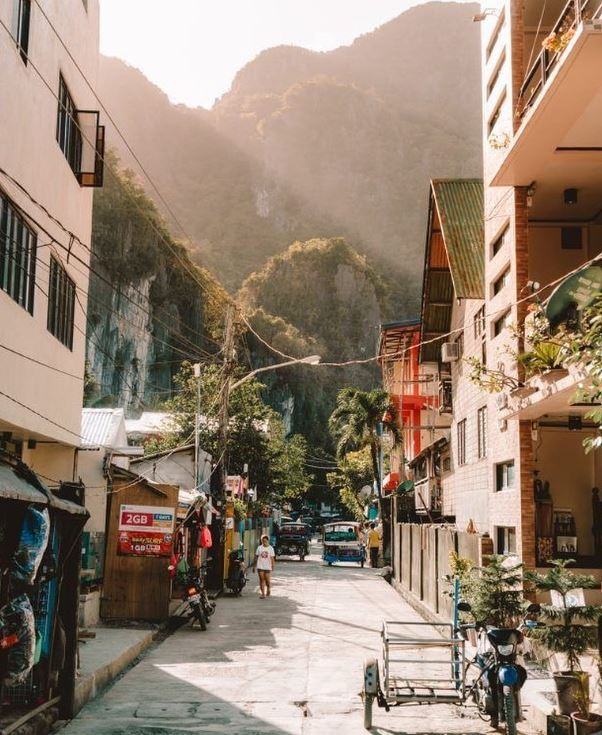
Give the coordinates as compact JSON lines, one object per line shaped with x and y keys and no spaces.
{"x":196,"y":605}
{"x":237,"y":577}
{"x":496,"y":691}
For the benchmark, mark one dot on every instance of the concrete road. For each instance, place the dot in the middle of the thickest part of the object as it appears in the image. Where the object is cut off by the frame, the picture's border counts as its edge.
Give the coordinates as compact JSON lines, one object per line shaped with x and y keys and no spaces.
{"x":287,"y":665}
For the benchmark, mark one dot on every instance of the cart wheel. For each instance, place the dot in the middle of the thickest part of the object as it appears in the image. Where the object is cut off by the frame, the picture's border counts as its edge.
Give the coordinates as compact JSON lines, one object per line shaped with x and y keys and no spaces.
{"x":368,"y":699}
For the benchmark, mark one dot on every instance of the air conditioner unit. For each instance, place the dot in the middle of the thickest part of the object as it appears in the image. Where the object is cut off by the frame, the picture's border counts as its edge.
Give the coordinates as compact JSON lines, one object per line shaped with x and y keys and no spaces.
{"x":449,"y":352}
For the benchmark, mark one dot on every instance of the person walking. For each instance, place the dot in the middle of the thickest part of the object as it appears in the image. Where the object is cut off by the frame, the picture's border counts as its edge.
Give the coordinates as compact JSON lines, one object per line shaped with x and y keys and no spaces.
{"x":264,"y":563}
{"x":373,"y":545}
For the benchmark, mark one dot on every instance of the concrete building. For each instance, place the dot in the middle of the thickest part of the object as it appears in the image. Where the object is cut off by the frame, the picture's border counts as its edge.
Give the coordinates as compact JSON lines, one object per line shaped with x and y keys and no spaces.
{"x":542,"y":139}
{"x":50,"y":148}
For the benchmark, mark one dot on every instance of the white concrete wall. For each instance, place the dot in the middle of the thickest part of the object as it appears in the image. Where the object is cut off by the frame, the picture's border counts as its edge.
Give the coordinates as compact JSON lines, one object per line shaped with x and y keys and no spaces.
{"x":29,"y":153}
{"x":465,"y":492}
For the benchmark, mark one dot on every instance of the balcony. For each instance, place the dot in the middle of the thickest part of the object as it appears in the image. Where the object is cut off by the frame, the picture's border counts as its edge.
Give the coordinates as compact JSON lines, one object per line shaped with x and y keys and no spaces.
{"x":560,"y":104}
{"x":427,"y":496}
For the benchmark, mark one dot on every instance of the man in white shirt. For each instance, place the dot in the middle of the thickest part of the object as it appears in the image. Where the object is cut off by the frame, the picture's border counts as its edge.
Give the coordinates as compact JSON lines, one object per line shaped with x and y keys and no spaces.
{"x":264,"y":563}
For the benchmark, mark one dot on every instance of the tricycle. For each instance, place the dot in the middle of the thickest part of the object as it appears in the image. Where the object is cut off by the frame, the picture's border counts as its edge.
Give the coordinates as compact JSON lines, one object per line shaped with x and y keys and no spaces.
{"x":425,"y":663}
{"x":342,"y":542}
{"x":293,"y":539}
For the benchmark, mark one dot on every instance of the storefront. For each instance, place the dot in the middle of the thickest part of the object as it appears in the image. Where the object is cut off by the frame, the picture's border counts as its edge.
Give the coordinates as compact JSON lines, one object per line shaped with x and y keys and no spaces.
{"x":40,"y":552}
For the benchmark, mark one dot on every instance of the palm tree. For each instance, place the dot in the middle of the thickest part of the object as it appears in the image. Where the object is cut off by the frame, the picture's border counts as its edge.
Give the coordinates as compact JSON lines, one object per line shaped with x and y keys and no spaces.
{"x":355,"y":420}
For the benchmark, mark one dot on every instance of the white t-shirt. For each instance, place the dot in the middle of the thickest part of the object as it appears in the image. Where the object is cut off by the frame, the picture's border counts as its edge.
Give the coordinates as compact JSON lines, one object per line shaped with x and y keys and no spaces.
{"x":264,"y":556}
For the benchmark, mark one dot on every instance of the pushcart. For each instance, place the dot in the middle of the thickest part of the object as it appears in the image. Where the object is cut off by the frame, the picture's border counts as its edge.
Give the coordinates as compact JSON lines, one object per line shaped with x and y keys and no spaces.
{"x":423,"y":663}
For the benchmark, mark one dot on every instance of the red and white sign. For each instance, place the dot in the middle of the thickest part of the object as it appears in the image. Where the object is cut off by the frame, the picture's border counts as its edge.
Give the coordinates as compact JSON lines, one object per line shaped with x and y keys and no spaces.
{"x":139,"y":543}
{"x":145,"y":530}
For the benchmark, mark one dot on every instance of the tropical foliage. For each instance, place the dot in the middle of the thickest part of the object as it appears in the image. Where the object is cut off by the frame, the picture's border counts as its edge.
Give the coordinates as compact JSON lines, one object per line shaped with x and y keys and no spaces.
{"x":571,"y":629}
{"x":256,"y":434}
{"x":354,"y":472}
{"x":357,"y":420}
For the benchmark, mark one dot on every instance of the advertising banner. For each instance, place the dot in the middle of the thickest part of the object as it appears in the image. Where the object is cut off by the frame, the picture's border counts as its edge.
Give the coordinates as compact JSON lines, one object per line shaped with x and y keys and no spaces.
{"x":145,"y":530}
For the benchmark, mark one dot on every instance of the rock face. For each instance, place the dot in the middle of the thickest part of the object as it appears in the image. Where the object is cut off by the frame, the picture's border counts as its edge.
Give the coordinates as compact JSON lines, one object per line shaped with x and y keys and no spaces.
{"x":312,"y":144}
{"x":329,"y":300}
{"x":149,"y":307}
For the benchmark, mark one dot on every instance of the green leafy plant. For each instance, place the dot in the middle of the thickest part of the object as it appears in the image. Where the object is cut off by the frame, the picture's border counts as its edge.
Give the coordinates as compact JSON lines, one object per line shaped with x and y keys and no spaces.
{"x":490,"y":380}
{"x":543,"y":356}
{"x":240,"y":510}
{"x":462,"y":569}
{"x":497,"y":594}
{"x":572,"y":629}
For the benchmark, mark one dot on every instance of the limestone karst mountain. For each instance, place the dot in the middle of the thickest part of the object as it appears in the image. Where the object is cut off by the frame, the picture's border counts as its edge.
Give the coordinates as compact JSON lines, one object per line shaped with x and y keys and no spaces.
{"x":312,"y":144}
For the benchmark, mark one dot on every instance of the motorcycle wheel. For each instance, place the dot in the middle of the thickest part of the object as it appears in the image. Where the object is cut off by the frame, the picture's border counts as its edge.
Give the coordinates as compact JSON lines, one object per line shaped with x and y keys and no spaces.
{"x":510,"y":711}
{"x":200,"y":617}
{"x":362,"y":563}
{"x":301,"y":557}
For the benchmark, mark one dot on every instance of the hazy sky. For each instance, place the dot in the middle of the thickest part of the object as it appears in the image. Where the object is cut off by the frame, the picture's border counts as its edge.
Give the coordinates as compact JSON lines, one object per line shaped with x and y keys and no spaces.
{"x":193,"y":48}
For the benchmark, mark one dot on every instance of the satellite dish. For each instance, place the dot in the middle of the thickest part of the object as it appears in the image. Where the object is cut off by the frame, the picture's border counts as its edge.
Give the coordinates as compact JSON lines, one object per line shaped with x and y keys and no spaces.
{"x":365,"y":493}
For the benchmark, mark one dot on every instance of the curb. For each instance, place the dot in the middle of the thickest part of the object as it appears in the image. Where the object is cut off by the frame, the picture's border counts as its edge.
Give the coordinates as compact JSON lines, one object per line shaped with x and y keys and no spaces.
{"x":90,"y":686}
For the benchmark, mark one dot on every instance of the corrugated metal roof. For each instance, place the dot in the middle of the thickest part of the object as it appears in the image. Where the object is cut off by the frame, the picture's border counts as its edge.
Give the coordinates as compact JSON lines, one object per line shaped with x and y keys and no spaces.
{"x":99,"y":426}
{"x":459,"y":205}
{"x":15,"y":487}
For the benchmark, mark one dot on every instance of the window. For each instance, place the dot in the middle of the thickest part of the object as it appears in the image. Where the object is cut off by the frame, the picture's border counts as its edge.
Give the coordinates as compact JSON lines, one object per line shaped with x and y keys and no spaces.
{"x":499,"y":241}
{"x":479,"y":322}
{"x":61,"y":304}
{"x":506,"y":540}
{"x":500,"y":282}
{"x":571,"y":238}
{"x":462,"y":442}
{"x":20,"y":30}
{"x":68,"y":134}
{"x":495,"y":116}
{"x":504,"y":476}
{"x":495,"y":35}
{"x":496,"y":74}
{"x":482,"y":431}
{"x":460,"y":343}
{"x":17,"y":255}
{"x":500,"y":324}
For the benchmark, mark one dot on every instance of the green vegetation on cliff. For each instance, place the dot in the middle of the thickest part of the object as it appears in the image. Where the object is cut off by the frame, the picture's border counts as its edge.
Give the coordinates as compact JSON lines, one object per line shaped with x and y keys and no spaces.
{"x":150,"y":307}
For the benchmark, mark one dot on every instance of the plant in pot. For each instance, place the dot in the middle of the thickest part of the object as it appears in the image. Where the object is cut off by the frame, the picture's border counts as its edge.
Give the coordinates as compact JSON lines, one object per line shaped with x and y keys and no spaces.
{"x":545,"y":359}
{"x":496,"y":595}
{"x":571,"y":629}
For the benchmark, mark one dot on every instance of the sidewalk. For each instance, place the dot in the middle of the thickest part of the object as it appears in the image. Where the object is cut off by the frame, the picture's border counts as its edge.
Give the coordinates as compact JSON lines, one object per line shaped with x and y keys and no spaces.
{"x":103,"y":658}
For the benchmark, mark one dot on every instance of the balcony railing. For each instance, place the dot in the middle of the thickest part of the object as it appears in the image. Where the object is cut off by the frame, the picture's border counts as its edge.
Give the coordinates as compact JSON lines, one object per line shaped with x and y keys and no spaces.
{"x":571,"y":16}
{"x":445,"y":395}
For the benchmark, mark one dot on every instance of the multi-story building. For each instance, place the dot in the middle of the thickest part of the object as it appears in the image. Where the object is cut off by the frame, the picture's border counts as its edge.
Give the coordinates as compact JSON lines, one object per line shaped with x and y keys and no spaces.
{"x":441,"y":412}
{"x":542,"y":92}
{"x":51,"y":147}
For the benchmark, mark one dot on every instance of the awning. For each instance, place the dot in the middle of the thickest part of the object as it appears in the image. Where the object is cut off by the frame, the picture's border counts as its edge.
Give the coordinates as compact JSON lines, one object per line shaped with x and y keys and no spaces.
{"x":15,"y":485}
{"x":391,"y":481}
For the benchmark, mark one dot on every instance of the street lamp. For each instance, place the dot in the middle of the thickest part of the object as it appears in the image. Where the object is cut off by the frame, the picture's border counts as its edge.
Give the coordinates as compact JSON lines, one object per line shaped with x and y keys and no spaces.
{"x":310,"y":360}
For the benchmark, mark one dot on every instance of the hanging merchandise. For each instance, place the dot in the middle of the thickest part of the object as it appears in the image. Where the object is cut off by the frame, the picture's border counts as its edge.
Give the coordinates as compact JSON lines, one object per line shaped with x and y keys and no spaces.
{"x":182,"y":570}
{"x":33,"y":539}
{"x":17,"y":627}
{"x":205,"y":541}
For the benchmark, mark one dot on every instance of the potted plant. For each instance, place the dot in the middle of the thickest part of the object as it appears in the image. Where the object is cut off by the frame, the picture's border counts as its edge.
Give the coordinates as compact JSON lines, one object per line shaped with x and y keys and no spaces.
{"x":571,"y":630}
{"x":584,"y":721}
{"x":497,"y":594}
{"x":546,"y":360}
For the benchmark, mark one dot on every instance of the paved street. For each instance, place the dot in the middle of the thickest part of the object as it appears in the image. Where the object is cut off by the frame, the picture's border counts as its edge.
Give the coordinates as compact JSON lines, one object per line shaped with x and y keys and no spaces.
{"x":289,"y":665}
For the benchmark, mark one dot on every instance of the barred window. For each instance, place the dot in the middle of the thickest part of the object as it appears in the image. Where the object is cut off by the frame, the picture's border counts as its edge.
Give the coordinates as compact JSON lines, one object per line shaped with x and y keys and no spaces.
{"x":18,"y":244}
{"x":61,"y":304}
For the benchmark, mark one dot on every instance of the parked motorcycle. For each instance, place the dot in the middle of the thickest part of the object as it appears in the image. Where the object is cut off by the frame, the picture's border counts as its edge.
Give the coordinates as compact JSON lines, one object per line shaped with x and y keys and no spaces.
{"x":237,"y":577}
{"x":496,"y":691}
{"x":196,"y":605}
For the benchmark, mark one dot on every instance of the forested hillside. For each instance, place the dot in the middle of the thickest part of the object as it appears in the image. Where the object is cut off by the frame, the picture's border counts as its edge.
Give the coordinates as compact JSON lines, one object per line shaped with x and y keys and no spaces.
{"x":312,"y":144}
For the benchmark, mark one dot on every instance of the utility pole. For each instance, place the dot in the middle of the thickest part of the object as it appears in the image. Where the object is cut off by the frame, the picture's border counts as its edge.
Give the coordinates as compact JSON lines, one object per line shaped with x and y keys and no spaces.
{"x":216,"y":580}
{"x":197,"y":426}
